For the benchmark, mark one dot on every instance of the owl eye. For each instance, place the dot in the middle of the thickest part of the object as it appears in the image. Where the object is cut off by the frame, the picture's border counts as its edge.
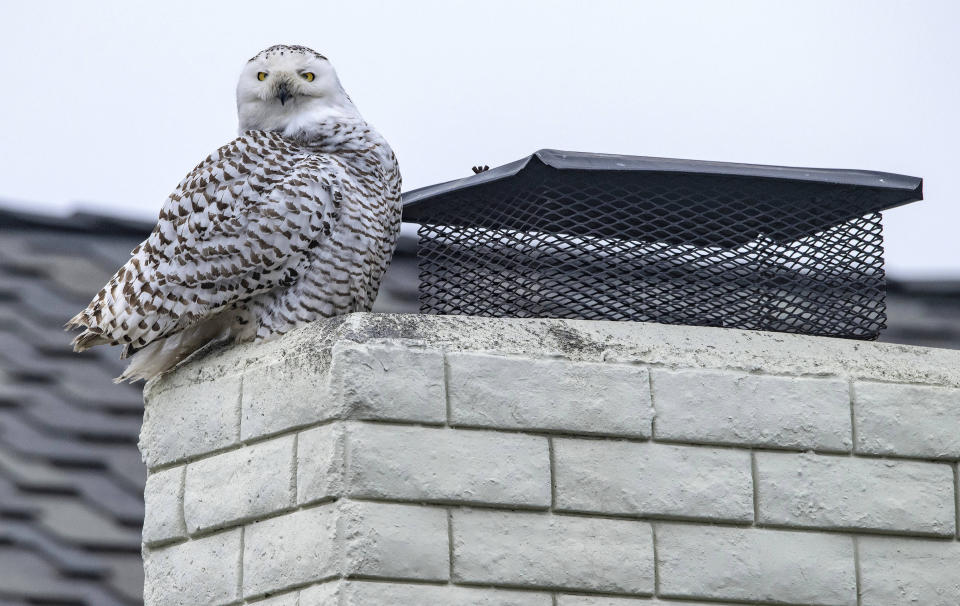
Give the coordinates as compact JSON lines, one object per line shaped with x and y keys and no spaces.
{"x":308,"y":76}
{"x":261,"y":76}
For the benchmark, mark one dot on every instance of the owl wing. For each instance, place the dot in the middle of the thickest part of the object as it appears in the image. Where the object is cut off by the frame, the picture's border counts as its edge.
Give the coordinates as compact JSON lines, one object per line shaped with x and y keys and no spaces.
{"x":240,"y":224}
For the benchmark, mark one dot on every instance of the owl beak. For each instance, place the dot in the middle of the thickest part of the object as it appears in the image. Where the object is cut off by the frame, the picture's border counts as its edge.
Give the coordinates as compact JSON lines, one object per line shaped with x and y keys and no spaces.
{"x":283,"y":93}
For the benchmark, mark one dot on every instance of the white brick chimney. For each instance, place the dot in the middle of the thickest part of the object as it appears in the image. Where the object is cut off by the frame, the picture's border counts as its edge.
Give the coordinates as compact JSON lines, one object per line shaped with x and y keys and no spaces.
{"x":381,"y":460}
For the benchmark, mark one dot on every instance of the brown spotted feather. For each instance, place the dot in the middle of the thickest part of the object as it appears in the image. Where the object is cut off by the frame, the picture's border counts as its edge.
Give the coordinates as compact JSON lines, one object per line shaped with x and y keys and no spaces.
{"x":266,"y":234}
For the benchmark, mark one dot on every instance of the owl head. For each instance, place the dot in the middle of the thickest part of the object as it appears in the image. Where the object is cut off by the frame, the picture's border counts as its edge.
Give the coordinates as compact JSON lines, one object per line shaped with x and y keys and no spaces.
{"x":289,"y":88}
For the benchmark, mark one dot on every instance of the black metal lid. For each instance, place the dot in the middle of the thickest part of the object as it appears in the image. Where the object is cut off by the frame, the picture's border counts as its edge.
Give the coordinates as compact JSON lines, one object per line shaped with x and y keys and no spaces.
{"x":554,"y":167}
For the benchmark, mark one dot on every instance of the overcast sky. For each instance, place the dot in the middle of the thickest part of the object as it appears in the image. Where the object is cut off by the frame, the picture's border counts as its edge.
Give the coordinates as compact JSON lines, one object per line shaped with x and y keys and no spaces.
{"x":106,"y":105}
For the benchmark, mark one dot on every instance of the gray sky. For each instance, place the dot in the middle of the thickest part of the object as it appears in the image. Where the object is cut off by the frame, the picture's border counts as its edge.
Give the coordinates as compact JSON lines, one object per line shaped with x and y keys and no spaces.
{"x":107,"y":105}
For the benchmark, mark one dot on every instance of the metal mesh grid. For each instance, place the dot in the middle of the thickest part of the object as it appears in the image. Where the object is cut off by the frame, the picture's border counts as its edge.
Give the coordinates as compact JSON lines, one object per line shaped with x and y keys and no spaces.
{"x":670,"y":248}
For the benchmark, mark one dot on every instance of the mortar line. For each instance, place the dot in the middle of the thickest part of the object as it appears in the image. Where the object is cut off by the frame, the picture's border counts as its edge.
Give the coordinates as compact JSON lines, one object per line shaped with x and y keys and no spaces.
{"x":856,"y":569}
{"x":853,"y":418}
{"x":509,"y":508}
{"x":234,"y":524}
{"x":553,"y":474}
{"x":282,"y":593}
{"x":656,"y":562}
{"x":240,"y":408}
{"x":754,"y":475}
{"x":243,"y":534}
{"x":182,"y":493}
{"x":258,"y":598}
{"x":446,"y":388}
{"x":342,"y":435}
{"x":294,"y":464}
{"x":653,"y":407}
{"x":956,"y":498}
{"x":450,"y":542}
{"x":536,"y":590}
{"x":639,"y":598}
{"x":648,"y":518}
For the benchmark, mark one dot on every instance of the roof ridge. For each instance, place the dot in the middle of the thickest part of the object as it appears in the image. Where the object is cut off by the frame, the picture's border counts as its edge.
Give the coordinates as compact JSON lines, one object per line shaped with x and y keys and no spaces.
{"x":76,"y":222}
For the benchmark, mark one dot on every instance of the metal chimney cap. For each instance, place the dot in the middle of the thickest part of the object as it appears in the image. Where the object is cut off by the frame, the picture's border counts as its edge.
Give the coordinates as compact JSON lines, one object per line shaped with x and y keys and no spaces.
{"x":892,"y":189}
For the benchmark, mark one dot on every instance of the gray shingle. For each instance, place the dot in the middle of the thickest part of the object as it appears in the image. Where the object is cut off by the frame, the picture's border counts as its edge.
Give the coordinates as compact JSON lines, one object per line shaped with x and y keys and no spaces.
{"x":13,"y":505}
{"x":92,"y":385}
{"x":66,"y":557}
{"x":33,"y":475}
{"x":36,"y":300}
{"x":52,"y":413}
{"x":22,"y":437}
{"x":73,"y":521}
{"x":27,"y":575}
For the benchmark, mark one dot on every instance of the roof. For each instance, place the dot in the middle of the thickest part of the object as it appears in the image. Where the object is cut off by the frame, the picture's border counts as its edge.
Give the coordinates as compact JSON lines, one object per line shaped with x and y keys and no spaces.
{"x":71,"y":478}
{"x":923,"y":312}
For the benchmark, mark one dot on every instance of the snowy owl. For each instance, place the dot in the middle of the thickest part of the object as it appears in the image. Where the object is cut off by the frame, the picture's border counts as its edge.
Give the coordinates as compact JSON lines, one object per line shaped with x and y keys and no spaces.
{"x":294,"y":220}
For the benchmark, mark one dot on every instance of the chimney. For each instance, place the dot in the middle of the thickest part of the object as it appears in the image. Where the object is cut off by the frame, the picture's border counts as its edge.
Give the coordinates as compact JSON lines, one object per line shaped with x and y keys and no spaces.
{"x":436,"y":460}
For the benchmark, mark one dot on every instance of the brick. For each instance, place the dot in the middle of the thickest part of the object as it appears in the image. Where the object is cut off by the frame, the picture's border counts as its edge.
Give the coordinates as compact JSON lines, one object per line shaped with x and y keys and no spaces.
{"x":190,"y":420}
{"x":907,"y":420}
{"x":285,"y":395}
{"x":607,"y":476}
{"x":726,"y":407}
{"x":239,"y":485}
{"x":848,"y":492}
{"x":395,"y":541}
{"x":717,"y":563}
{"x":545,"y":550}
{"x":289,"y":550}
{"x":163,"y":506}
{"x":895,"y":572}
{"x":389,"y":382}
{"x":325,"y":594}
{"x":196,"y":573}
{"x":320,"y":458}
{"x":554,"y":395}
{"x":449,"y":465}
{"x":356,"y":593}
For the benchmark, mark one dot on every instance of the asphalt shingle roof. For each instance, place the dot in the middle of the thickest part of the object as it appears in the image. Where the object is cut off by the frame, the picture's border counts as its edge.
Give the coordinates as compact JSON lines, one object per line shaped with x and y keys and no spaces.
{"x":71,"y":481}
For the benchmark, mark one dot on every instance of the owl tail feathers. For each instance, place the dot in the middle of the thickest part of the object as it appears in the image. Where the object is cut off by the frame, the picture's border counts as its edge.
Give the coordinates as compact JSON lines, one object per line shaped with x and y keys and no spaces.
{"x":78,"y":321}
{"x":164,"y":354}
{"x":90,"y":337}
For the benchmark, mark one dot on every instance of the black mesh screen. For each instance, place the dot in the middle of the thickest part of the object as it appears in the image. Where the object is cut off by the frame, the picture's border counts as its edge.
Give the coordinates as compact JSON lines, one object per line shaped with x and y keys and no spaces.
{"x":703,"y":250}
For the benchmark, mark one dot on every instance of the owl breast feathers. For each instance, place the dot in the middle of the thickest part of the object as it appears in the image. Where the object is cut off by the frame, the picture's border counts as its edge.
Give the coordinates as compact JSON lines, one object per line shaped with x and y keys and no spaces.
{"x":266,"y":234}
